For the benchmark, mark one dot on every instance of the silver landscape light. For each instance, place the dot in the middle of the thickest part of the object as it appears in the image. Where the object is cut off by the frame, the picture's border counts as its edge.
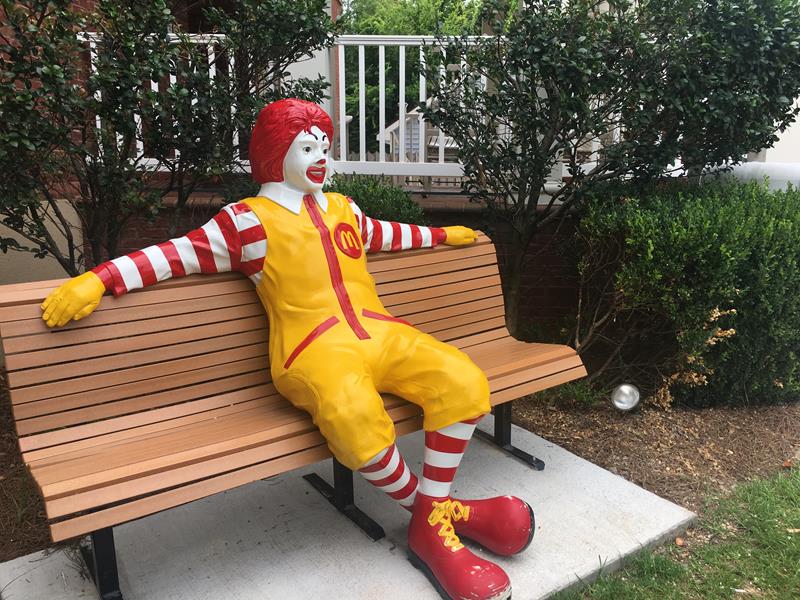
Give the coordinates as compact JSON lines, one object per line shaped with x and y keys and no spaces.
{"x":625,"y":397}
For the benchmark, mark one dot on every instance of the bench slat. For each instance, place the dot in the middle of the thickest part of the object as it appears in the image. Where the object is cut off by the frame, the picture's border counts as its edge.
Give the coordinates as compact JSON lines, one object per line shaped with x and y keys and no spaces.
{"x":392,"y":301}
{"x":151,"y":393}
{"x":38,"y":290}
{"x":116,"y":329}
{"x":55,"y":454}
{"x":123,"y":376}
{"x":436,"y":322}
{"x":439,"y":268}
{"x":137,"y":419}
{"x":427,"y":306}
{"x":439,"y":328}
{"x":499,"y":353}
{"x":137,"y":459}
{"x":194,"y":287}
{"x":497,"y":384}
{"x":455,"y":334}
{"x":418,"y":283}
{"x":155,"y":503}
{"x":289,"y":438}
{"x":72,"y":358}
{"x":126,"y":353}
{"x":402,"y":260}
{"x":537,"y":385}
{"x":479,"y":338}
{"x":123,"y":360}
{"x":494,"y":357}
{"x":434,"y":318}
{"x":177,"y":445}
{"x":135,"y":509}
{"x":167,"y":445}
{"x":175,"y":389}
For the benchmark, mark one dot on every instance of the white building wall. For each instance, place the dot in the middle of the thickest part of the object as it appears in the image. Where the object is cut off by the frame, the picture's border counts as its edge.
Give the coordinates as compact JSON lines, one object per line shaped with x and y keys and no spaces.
{"x":787,"y":149}
{"x":18,"y":267}
{"x":319,"y":64}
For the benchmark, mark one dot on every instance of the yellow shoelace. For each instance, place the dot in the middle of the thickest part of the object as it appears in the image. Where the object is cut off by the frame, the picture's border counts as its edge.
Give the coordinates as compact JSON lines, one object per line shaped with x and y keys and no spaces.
{"x":441,"y":514}
{"x":458,"y":511}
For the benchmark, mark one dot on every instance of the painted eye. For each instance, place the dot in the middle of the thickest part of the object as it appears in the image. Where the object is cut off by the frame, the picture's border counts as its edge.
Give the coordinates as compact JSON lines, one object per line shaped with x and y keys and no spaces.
{"x":307,"y":149}
{"x":324,"y":150}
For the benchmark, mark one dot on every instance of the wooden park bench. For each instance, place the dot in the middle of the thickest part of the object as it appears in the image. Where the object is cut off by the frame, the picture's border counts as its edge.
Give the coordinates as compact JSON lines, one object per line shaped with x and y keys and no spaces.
{"x":163,"y":396}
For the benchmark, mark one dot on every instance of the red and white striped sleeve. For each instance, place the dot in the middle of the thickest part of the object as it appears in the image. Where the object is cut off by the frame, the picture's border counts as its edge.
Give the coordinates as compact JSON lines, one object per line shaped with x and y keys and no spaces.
{"x":391,"y":236}
{"x":234,"y":240}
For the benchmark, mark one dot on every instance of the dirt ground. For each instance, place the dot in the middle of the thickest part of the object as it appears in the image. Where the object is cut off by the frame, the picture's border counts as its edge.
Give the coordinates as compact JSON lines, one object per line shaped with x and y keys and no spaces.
{"x":682,"y":455}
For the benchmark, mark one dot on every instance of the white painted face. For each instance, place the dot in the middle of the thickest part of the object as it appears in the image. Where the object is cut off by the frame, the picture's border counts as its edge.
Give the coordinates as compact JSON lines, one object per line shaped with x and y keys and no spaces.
{"x":305,"y":167}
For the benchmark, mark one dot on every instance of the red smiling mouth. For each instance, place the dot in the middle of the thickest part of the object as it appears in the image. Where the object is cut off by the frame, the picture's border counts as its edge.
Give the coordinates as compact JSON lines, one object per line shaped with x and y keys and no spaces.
{"x":316,"y":174}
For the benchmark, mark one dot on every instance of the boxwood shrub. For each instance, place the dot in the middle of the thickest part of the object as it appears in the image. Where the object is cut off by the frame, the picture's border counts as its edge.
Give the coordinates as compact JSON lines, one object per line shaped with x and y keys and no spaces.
{"x":378,"y":197}
{"x":692,"y":291}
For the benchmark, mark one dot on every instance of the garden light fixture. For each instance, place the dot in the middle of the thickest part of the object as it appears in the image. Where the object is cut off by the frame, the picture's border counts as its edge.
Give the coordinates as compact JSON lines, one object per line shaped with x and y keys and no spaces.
{"x":625,"y":397}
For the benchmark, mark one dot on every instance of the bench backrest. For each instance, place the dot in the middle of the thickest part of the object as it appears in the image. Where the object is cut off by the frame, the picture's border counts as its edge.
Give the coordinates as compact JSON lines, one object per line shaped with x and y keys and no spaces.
{"x":194,"y":347}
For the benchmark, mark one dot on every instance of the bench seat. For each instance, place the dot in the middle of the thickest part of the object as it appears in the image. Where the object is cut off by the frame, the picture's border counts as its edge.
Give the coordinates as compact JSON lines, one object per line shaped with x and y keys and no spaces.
{"x":163,"y":396}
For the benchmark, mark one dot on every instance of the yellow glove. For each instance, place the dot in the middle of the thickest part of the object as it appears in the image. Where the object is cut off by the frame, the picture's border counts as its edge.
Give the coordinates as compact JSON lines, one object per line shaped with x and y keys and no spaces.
{"x":74,"y":299}
{"x":459,"y":236}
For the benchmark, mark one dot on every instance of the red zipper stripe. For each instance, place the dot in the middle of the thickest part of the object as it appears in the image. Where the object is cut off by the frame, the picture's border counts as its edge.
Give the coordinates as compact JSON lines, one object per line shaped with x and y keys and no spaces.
{"x":318,"y":331}
{"x":334,"y":269}
{"x":374,"y":315}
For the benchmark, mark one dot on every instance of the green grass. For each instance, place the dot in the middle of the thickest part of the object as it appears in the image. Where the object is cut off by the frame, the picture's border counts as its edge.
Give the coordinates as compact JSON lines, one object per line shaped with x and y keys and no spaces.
{"x":751,"y":549}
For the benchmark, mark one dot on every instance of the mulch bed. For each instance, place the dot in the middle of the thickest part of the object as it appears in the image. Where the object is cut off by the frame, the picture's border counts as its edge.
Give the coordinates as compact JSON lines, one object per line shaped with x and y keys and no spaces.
{"x":683,"y":455}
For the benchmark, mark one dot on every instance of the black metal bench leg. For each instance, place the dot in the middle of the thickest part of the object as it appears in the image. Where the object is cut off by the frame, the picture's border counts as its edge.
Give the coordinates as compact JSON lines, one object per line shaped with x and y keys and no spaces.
{"x":341,"y":496}
{"x":101,"y":560}
{"x":502,"y":436}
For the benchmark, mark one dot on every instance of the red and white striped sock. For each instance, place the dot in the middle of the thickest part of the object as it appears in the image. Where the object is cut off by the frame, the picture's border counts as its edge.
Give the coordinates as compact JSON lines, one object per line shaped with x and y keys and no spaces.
{"x":388,"y":471}
{"x":444,"y":449}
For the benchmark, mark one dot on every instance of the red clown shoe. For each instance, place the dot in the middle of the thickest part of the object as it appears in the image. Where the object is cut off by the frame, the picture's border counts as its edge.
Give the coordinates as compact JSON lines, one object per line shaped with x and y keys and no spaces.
{"x":504,"y":525}
{"x":435,"y":549}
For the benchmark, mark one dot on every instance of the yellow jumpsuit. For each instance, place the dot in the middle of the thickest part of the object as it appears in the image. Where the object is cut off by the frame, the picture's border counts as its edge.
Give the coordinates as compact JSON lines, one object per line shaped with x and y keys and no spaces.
{"x":333,"y":346}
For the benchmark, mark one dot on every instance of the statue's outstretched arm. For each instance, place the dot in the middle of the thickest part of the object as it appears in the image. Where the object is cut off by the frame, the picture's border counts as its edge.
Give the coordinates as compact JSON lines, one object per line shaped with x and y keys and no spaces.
{"x":390,"y":236}
{"x":230,"y":241}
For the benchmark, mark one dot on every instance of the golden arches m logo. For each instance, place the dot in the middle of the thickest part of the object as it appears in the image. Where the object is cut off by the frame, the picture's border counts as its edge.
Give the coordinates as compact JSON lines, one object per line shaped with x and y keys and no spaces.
{"x":347,"y":240}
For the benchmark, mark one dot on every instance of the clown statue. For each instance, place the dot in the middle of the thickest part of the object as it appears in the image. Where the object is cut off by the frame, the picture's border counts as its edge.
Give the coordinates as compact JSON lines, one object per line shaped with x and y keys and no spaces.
{"x":333,"y":347}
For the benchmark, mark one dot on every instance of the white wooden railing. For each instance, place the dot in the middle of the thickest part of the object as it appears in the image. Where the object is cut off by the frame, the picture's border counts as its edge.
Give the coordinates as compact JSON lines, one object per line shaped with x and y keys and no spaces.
{"x":213,"y":43}
{"x":409,"y":154}
{"x":415,"y":148}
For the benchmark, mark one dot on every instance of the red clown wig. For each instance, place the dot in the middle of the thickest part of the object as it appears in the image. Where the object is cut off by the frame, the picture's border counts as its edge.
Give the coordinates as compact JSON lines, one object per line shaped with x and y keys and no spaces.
{"x":277,"y":125}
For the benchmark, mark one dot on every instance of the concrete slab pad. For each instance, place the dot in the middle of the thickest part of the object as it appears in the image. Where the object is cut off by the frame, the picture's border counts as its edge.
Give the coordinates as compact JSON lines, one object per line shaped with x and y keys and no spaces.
{"x":278,"y":538}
